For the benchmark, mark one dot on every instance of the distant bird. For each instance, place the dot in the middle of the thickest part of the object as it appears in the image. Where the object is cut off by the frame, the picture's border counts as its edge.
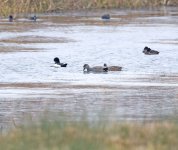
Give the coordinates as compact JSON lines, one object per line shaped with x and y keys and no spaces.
{"x":11,"y":18}
{"x":57,"y":62}
{"x":34,"y":18}
{"x":96,"y":69}
{"x":149,"y":51}
{"x":105,"y":68}
{"x":106,"y":16}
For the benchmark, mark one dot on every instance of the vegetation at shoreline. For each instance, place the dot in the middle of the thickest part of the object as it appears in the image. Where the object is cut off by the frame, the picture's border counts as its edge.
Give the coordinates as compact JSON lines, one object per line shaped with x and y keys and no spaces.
{"x":81,"y":135}
{"x":35,"y":6}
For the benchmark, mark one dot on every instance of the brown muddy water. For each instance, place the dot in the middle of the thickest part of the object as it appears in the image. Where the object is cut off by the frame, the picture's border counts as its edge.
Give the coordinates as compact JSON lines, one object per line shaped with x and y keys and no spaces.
{"x":146,"y":89}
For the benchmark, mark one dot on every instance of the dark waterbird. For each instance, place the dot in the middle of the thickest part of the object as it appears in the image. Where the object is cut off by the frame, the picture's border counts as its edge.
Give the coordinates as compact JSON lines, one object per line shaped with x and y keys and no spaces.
{"x":34,"y":18}
{"x":149,"y":51}
{"x":11,"y":18}
{"x":106,"y":16}
{"x":57,"y":62}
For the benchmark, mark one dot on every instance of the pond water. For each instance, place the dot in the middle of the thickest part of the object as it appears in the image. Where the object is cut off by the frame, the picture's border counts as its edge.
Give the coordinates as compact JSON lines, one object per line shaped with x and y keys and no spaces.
{"x":146,"y":89}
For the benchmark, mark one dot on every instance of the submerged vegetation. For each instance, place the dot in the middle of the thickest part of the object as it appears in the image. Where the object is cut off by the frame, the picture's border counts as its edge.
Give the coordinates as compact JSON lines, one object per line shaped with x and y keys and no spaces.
{"x":33,"y":6}
{"x":84,"y":136}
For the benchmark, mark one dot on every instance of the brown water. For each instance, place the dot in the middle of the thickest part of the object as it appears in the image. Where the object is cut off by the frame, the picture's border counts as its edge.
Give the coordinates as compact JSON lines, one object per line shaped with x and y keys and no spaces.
{"x":146,"y":89}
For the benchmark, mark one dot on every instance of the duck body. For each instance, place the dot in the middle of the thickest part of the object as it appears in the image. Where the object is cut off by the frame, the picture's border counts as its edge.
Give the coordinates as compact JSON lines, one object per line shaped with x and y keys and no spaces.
{"x":149,"y":51}
{"x":11,"y":18}
{"x":33,"y":18}
{"x":114,"y":68}
{"x":63,"y":64}
{"x":58,"y":63}
{"x":105,"y":16}
{"x":96,"y":69}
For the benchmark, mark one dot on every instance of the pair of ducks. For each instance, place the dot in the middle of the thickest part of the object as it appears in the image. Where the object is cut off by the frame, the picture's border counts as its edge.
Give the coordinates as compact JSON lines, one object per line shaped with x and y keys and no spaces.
{"x":104,"y":68}
{"x":87,"y":68}
{"x":33,"y":18}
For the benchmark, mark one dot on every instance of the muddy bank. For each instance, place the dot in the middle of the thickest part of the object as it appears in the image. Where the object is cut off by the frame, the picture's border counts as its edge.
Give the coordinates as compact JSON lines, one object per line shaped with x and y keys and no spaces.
{"x":137,"y":99}
{"x":21,"y":102}
{"x":35,"y":39}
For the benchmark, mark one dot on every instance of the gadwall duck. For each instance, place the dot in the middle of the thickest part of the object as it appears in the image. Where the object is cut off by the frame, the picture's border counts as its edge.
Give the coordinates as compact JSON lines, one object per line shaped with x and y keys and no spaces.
{"x":57,"y":62}
{"x":106,"y":16}
{"x":149,"y":51}
{"x":11,"y":18}
{"x":113,"y":68}
{"x":97,"y":69}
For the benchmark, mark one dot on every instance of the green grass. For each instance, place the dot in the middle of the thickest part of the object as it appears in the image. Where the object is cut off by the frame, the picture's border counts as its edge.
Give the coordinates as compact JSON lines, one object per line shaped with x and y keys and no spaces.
{"x":84,"y":136}
{"x":35,"y":6}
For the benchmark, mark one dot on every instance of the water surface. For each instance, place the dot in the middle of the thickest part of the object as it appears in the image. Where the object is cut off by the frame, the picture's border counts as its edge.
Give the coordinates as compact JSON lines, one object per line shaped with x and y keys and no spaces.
{"x":146,"y":89}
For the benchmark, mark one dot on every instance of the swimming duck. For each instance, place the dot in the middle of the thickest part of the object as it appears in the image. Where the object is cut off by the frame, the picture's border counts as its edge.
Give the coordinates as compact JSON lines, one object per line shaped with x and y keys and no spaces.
{"x":113,"y":68}
{"x":57,"y":62}
{"x":97,"y":69}
{"x":149,"y":51}
{"x":33,"y":18}
{"x":11,"y":18}
{"x":106,"y":16}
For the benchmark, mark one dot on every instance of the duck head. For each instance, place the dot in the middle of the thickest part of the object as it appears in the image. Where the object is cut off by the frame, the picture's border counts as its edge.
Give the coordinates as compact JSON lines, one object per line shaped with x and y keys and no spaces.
{"x":146,"y":49}
{"x":86,"y":67}
{"x":56,"y":60}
